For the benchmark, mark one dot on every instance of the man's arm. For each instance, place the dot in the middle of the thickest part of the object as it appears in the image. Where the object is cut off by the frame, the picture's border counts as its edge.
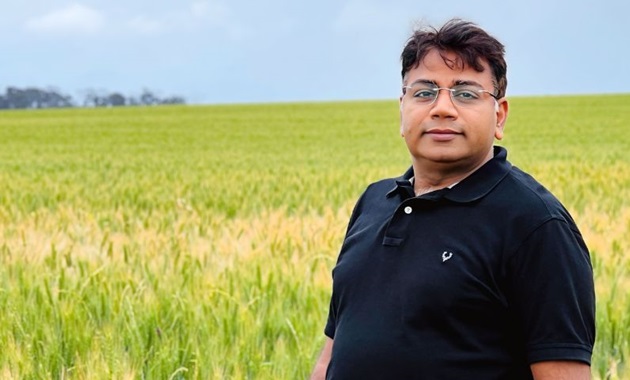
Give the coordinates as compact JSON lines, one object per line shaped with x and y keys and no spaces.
{"x":561,"y":370}
{"x":319,"y":372}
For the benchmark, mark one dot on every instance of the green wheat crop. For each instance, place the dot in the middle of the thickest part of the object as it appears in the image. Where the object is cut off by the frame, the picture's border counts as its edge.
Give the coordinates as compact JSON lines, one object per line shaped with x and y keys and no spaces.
{"x":197,"y":242}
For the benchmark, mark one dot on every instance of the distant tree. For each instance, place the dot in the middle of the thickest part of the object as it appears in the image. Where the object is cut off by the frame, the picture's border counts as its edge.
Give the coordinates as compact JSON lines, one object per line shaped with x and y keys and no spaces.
{"x":132,"y":101}
{"x":17,"y":98}
{"x":147,"y":98}
{"x":94,"y":98}
{"x":52,"y":98}
{"x":173,"y":100}
{"x":90,"y":99}
{"x":32,"y":97}
{"x":116,"y":100}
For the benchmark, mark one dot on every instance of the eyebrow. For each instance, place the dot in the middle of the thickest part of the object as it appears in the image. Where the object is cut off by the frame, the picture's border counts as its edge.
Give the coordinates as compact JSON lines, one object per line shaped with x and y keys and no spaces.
{"x":467,"y":83}
{"x":455,"y":83}
{"x":423,"y":81}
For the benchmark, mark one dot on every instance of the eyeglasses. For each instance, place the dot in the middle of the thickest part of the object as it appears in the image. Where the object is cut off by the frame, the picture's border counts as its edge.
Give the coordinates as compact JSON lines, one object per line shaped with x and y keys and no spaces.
{"x":462,"y":95}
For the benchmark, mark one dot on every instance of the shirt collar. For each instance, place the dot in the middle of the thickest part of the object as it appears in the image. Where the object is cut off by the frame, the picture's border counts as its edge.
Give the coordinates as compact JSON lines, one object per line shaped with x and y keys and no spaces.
{"x":471,"y":188}
{"x":404,"y":185}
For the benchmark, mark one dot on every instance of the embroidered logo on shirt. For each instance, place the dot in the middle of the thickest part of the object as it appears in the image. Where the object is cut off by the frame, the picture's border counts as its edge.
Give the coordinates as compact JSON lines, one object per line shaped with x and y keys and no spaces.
{"x":446,"y":255}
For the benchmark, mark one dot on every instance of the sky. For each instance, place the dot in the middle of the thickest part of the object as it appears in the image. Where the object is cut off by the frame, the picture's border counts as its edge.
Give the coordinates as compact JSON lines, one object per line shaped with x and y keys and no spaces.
{"x":246,"y":51}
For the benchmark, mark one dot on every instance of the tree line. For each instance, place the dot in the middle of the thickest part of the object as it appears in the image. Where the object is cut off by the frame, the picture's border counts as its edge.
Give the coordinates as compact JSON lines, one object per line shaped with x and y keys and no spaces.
{"x":31,"y":97}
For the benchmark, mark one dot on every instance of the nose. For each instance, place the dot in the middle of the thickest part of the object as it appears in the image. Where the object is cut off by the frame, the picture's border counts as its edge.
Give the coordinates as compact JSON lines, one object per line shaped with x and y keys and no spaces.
{"x":443,"y":106}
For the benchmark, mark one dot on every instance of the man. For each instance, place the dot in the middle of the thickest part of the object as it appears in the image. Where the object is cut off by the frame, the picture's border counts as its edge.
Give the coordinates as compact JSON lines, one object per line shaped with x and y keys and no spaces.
{"x":465,"y":267}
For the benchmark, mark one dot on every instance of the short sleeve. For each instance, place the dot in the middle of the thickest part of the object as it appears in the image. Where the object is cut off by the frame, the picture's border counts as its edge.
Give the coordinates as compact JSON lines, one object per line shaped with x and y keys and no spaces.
{"x":552,"y":293}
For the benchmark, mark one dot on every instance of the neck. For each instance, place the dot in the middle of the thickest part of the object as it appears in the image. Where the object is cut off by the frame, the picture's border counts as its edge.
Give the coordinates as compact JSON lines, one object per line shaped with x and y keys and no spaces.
{"x":431,"y":179}
{"x":423,"y":184}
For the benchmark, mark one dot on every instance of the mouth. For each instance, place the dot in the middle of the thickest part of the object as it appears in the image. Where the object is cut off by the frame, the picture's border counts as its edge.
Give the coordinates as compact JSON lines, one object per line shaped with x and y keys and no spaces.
{"x":439,"y":134}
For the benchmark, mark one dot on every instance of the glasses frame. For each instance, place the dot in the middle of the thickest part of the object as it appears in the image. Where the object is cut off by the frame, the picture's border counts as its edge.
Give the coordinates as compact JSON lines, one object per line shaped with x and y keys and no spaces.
{"x":451,"y":90}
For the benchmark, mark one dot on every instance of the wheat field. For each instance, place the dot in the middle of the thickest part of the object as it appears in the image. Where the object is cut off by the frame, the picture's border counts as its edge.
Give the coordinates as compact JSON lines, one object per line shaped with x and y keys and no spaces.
{"x":196,"y":242}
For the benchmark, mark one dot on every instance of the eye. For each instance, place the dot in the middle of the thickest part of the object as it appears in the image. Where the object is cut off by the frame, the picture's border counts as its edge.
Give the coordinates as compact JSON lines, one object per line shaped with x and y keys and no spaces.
{"x":424,"y":93}
{"x":465,"y":94}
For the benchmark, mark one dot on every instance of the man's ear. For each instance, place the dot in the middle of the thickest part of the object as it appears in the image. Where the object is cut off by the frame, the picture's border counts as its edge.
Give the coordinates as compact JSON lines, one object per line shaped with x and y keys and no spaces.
{"x":502,"y":108}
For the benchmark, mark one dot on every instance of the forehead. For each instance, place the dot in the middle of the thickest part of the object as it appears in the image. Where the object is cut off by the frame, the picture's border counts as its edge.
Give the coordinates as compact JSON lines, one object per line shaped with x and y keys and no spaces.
{"x":446,"y":68}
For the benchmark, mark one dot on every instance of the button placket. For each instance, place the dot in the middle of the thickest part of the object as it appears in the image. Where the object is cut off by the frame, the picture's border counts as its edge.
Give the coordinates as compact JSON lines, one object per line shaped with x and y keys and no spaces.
{"x":397,"y":228}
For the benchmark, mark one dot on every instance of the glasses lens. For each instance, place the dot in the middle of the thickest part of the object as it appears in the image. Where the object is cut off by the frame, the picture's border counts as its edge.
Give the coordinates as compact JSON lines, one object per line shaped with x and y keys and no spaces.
{"x":422,"y":94}
{"x":466,"y":95}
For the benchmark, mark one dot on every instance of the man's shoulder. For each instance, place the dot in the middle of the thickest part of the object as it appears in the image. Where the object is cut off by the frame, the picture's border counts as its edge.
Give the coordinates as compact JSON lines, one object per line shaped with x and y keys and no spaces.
{"x":528,"y":195}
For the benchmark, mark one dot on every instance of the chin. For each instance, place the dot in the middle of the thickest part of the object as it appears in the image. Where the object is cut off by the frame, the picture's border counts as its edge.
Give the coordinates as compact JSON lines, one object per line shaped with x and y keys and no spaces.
{"x":443,"y":156}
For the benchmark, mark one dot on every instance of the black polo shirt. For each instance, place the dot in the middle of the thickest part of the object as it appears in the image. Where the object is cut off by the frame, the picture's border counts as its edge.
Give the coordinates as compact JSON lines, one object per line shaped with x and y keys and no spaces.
{"x":473,"y":282}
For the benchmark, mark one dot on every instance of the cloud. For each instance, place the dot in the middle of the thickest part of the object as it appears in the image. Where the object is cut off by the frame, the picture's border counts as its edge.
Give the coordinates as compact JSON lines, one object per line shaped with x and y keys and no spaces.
{"x":74,"y":19}
{"x":195,"y":16}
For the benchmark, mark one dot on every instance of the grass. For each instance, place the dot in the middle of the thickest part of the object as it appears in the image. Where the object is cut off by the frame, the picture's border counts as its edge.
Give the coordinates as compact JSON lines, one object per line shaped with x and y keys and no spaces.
{"x":197,"y":242}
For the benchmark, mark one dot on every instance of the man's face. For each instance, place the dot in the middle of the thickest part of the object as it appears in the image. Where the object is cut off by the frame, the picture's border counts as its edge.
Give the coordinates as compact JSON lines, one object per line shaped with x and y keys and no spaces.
{"x":450,"y":135}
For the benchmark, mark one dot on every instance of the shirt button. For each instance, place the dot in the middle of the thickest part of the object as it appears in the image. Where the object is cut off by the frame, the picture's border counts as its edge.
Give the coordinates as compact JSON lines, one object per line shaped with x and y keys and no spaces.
{"x":408,"y":210}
